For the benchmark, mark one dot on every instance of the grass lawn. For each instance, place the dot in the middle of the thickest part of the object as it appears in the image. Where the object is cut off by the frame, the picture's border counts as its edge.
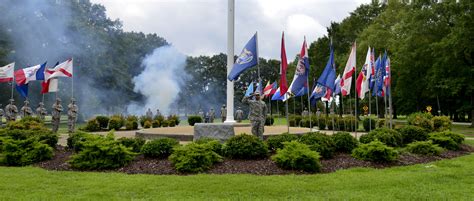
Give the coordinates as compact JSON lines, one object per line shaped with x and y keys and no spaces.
{"x":442,"y":180}
{"x":463,"y":129}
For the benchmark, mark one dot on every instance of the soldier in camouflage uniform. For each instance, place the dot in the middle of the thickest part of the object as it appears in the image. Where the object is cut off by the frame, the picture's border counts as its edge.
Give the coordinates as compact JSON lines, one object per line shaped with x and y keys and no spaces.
{"x":149,"y":114}
{"x":257,"y":112}
{"x":72,"y":115}
{"x":239,"y":115}
{"x":305,"y":113}
{"x":11,"y":111}
{"x":56,"y":114}
{"x":41,"y":111}
{"x":1,"y":115}
{"x":26,"y":110}
{"x":212,"y":115}
{"x":223,"y":113}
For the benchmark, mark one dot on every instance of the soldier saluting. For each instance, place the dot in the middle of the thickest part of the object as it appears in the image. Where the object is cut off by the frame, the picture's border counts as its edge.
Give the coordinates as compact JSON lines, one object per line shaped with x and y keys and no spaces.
{"x":72,"y":115}
{"x":56,"y":114}
{"x":26,"y":110}
{"x":11,"y":111}
{"x":257,"y":112}
{"x":41,"y":111}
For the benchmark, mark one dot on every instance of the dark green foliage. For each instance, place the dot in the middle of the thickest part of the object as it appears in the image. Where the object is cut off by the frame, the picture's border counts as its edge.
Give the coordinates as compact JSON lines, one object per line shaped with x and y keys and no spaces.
{"x":295,"y":120}
{"x":350,"y":123}
{"x":102,"y":153}
{"x":424,"y":148}
{"x":245,"y":146}
{"x":381,"y":123}
{"x":322,"y":143}
{"x":20,"y":152}
{"x":297,"y":156}
{"x":116,"y":123}
{"x":194,"y":157}
{"x":37,"y":131}
{"x":28,"y":123}
{"x":147,"y":124}
{"x":135,"y":143}
{"x":159,"y":148}
{"x":103,"y":121}
{"x":344,"y":142}
{"x":388,"y":136}
{"x":143,"y":119}
{"x":441,"y":123}
{"x":269,"y":120}
{"x":174,"y":118}
{"x":92,"y":125}
{"x":421,"y":120}
{"x":194,"y":119}
{"x":215,"y":145}
{"x":322,"y":123}
{"x":165,"y":123}
{"x":171,"y":123}
{"x":375,"y":151}
{"x":76,"y":141}
{"x":276,"y":142}
{"x":331,"y":121}
{"x":369,"y":124}
{"x":413,"y":133}
{"x":131,"y":125}
{"x":156,"y":124}
{"x":447,"y":139}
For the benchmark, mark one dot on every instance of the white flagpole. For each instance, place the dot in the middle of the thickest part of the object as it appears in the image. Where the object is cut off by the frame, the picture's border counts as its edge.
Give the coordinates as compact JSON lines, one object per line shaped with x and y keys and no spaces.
{"x":230,"y":60}
{"x":72,"y":82}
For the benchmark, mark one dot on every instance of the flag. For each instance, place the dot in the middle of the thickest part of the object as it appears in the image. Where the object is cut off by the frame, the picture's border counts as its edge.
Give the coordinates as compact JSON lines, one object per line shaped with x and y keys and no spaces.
{"x":303,"y":91}
{"x":249,"y":90}
{"x":372,"y":70}
{"x":50,"y":85}
{"x":363,"y":80}
{"x":283,"y":66}
{"x":346,"y":80}
{"x":338,"y":84}
{"x":6,"y":72}
{"x":259,"y":88}
{"x":301,"y":72}
{"x":378,"y":78}
{"x":22,"y":89}
{"x":64,"y":69}
{"x":267,"y":89}
{"x":325,"y":84}
{"x":278,"y":96}
{"x":25,"y":75}
{"x":387,"y":78}
{"x":248,"y":58}
{"x":274,"y":88}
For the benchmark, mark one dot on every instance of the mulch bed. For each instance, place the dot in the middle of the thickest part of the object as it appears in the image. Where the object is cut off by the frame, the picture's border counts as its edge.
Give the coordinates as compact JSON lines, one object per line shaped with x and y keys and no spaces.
{"x":142,"y":165}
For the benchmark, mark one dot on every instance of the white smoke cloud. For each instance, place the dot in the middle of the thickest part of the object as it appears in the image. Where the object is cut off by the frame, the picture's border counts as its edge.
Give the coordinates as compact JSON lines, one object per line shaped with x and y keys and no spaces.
{"x":160,"y":80}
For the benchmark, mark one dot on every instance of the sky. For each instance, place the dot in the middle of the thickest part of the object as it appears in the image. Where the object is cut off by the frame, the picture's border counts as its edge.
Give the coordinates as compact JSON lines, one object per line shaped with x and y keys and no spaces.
{"x":199,"y":27}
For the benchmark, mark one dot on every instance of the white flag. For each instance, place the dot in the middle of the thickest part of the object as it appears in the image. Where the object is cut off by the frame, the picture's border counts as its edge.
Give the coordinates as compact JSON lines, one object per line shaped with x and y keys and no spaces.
{"x":346,"y":80}
{"x":6,"y":72}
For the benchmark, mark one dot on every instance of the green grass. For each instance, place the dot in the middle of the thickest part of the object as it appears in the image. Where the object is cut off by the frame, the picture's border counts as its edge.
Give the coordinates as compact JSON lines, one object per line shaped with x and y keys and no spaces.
{"x":463,"y":129}
{"x":442,"y":180}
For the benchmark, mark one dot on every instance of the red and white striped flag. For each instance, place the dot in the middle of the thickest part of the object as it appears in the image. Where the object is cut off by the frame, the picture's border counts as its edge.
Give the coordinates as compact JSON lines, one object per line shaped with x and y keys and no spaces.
{"x":6,"y":72}
{"x":346,"y":80}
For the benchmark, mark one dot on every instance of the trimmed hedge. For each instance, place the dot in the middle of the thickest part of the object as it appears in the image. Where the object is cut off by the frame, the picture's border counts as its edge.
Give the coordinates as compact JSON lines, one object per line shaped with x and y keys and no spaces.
{"x":441,"y":123}
{"x":413,"y":133}
{"x":276,"y":142}
{"x":215,"y":145}
{"x":76,"y":140}
{"x":159,"y":148}
{"x":369,"y":124}
{"x":297,"y":156}
{"x":447,"y":139}
{"x":421,"y":119}
{"x":23,"y":152}
{"x":375,"y":151}
{"x":245,"y":146}
{"x":103,"y":121}
{"x":194,"y":157}
{"x":115,"y":123}
{"x":92,"y":125}
{"x":269,"y":120}
{"x":322,"y":143}
{"x":194,"y":119}
{"x":388,"y":136}
{"x":135,"y":143}
{"x":344,"y":142}
{"x":424,"y":148}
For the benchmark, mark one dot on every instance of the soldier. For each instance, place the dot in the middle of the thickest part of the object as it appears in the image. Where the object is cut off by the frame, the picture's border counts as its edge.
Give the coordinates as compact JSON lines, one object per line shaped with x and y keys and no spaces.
{"x":158,"y":113}
{"x":223,"y":113}
{"x":11,"y":111}
{"x":26,"y":110}
{"x":257,"y":111}
{"x":56,"y":114}
{"x":72,"y":110}
{"x":41,"y":111}
{"x":305,"y":112}
{"x":318,"y":112}
{"x":239,"y":115}
{"x":149,"y":114}
{"x":1,"y":115}
{"x":212,"y":115}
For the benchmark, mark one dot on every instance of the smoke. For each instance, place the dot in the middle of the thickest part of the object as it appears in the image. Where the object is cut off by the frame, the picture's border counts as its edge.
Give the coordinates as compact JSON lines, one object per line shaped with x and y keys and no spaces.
{"x":161,"y":80}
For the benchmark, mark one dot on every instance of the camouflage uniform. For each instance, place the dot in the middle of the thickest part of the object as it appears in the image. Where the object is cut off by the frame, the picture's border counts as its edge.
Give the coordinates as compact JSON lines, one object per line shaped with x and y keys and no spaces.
{"x":72,"y":115}
{"x":1,"y":115}
{"x":149,"y":114}
{"x":158,"y":113}
{"x":212,"y":115}
{"x":56,"y":114}
{"x":239,"y":115}
{"x":305,"y":113}
{"x":11,"y":111}
{"x":223,"y":113}
{"x":41,"y":111}
{"x":257,"y":111}
{"x":26,"y":110}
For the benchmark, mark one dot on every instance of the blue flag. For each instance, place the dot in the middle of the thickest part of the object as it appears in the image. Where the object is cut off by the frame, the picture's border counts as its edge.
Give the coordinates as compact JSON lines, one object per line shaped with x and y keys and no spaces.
{"x":248,"y":58}
{"x":303,"y":91}
{"x":22,"y":89}
{"x":325,"y":84}
{"x":338,"y":85}
{"x":379,"y":75}
{"x":301,"y":72}
{"x":249,"y":90}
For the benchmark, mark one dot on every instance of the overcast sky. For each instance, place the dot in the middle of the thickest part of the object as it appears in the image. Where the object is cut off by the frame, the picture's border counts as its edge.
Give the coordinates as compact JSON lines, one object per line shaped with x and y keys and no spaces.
{"x":199,"y":27}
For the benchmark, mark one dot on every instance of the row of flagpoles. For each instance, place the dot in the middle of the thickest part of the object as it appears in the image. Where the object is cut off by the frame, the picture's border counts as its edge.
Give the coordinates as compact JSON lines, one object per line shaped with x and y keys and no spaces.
{"x":21,"y":78}
{"x":374,"y":77}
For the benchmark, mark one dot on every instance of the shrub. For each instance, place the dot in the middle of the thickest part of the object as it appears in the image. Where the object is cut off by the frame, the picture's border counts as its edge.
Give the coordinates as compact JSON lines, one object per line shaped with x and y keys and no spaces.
{"x":269,"y":120}
{"x":159,"y":148}
{"x":344,"y":142}
{"x":388,"y":136}
{"x":381,"y":123}
{"x":135,"y":143}
{"x":214,"y":144}
{"x":322,"y":123}
{"x":276,"y":142}
{"x":421,"y":120}
{"x":245,"y":146}
{"x":160,"y":118}
{"x":322,"y":143}
{"x":194,"y":158}
{"x":23,"y":151}
{"x":375,"y":151}
{"x":147,"y":124}
{"x":350,"y":123}
{"x":424,"y":148}
{"x":171,"y":123}
{"x":143,"y":119}
{"x":194,"y":119}
{"x":297,"y":156}
{"x":340,"y":124}
{"x":103,"y":121}
{"x":174,"y":118}
{"x":131,"y":125}
{"x":102,"y":153}
{"x":329,"y":122}
{"x":413,"y":133}
{"x":369,"y":124}
{"x":42,"y":135}
{"x":165,"y":123}
{"x":441,"y":123}
{"x":92,"y":125}
{"x":295,"y":120}
{"x":155,"y":124}
{"x":447,"y":139}
{"x":76,"y":141}
{"x":115,"y":123}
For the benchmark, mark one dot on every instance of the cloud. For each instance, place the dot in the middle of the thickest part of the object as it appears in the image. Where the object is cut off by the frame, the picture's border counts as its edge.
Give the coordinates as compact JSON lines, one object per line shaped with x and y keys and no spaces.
{"x":199,"y":27}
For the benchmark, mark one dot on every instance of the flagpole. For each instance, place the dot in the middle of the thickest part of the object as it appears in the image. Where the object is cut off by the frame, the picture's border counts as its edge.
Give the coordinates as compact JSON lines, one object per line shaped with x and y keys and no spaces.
{"x":294,"y":106}
{"x":370,"y":109}
{"x":309,"y":105}
{"x":385,"y":108}
{"x":72,"y":83}
{"x":287,"y":121}
{"x":333,"y":113}
{"x":390,"y":102}
{"x":230,"y":60}
{"x":13,"y":82}
{"x":376,"y":105}
{"x":355,"y":99}
{"x":342,"y":105}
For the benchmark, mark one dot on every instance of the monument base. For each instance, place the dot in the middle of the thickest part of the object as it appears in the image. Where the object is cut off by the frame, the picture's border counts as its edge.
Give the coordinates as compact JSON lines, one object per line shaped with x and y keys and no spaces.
{"x":219,"y":131}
